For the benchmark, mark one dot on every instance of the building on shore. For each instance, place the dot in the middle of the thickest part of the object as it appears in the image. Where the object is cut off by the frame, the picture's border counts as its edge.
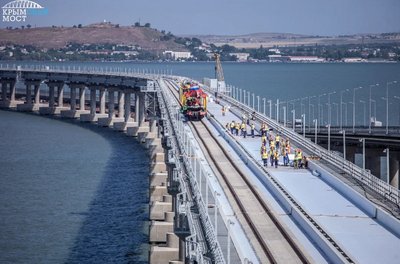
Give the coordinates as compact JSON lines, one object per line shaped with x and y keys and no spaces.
{"x":177,"y":55}
{"x":241,"y":56}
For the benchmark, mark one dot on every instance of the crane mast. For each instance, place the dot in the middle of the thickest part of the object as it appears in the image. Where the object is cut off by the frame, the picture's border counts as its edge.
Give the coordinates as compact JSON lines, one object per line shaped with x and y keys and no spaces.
{"x":219,"y":73}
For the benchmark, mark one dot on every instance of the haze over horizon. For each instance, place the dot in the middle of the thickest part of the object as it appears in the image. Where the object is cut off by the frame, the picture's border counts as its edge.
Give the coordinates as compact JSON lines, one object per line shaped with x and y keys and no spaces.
{"x":228,"y":17}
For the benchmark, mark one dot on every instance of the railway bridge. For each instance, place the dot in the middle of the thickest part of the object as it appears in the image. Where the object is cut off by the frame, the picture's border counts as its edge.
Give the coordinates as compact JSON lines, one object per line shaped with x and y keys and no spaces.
{"x":211,"y":198}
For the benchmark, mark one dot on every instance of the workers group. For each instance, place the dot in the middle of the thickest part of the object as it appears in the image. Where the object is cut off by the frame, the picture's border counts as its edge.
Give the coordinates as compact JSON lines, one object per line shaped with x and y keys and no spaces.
{"x":272,"y":148}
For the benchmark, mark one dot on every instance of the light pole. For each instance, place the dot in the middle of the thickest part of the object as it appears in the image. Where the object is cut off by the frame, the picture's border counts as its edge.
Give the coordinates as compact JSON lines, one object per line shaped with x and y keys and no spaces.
{"x":365,"y":110}
{"x":345,"y":113}
{"x":319,"y":109}
{"x":258,"y":103}
{"x":284,"y":116}
{"x":240,"y":95}
{"x":270,"y":108}
{"x":363,"y":146}
{"x":374,"y":102}
{"x":294,"y":116}
{"x":354,"y":108}
{"x":304,"y":124}
{"x":344,"y":143}
{"x":264,"y":105}
{"x":370,"y":102}
{"x":329,"y":136}
{"x":341,"y":108}
{"x":315,"y":130}
{"x":313,"y":117}
{"x":329,"y":108}
{"x":387,"y":165}
{"x":254,"y":100}
{"x":337,"y":113}
{"x":248,"y":98}
{"x":387,"y":106}
{"x":309,"y":110}
{"x":277,"y":110}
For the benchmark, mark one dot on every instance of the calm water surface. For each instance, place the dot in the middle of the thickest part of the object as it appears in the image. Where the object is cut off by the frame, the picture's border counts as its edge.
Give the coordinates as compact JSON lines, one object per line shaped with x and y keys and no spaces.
{"x":70,"y":193}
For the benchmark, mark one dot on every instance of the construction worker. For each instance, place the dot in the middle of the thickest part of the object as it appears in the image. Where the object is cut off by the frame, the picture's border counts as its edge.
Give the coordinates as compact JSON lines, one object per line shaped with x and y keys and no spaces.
{"x":264,"y":140}
{"x":285,"y":157}
{"x":243,"y":130}
{"x":253,"y":127}
{"x":237,"y":128}
{"x":276,"y":158}
{"x":263,"y":149}
{"x":233,"y":127}
{"x":271,"y":156}
{"x":272,"y":143}
{"x":277,"y":141}
{"x":264,"y":157}
{"x":263,"y":129}
{"x":299,"y":159}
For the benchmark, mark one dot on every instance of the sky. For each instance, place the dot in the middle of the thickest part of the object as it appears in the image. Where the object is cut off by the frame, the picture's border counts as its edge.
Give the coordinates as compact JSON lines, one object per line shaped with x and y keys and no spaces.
{"x":227,"y":17}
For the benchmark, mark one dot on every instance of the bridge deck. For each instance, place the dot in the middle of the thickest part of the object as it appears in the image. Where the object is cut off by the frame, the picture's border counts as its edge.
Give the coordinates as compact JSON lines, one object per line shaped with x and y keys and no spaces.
{"x":358,"y":234}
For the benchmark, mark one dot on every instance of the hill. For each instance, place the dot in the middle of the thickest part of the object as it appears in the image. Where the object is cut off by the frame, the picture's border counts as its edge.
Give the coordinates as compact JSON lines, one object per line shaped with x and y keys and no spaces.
{"x":103,"y":33}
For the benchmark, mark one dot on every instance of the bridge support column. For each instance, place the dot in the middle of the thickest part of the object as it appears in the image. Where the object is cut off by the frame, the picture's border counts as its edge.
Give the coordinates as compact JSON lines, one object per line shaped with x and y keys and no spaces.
{"x":111,"y":102}
{"x":37,"y":93}
{"x":141,"y":108}
{"x":51,"y":95}
{"x":127,"y":113}
{"x":93,"y":101}
{"x":60,"y":95}
{"x":12,"y":91}
{"x":373,"y":162}
{"x":121,"y":99}
{"x":52,"y":109}
{"x":8,"y":101}
{"x":102,"y":101}
{"x":394,"y":170}
{"x":31,"y":105}
{"x":127,"y":122}
{"x":93,"y":116}
{"x":137,"y":107}
{"x":82,"y":98}
{"x":73,"y":112}
{"x":109,"y":121}
{"x":73,"y":97}
{"x":4,"y":92}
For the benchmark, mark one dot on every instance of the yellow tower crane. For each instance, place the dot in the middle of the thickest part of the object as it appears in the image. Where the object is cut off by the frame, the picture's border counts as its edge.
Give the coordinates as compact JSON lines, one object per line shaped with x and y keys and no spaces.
{"x":219,"y":73}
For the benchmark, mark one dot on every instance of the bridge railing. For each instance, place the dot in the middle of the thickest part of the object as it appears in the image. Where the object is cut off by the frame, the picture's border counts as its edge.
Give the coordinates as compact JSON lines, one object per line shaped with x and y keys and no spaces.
{"x":183,"y":151}
{"x":364,"y":176}
{"x":358,"y":131}
{"x":105,"y":70}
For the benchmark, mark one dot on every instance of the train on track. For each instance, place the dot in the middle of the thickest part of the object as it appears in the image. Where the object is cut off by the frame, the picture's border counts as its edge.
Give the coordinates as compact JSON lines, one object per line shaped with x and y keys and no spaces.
{"x":193,"y":101}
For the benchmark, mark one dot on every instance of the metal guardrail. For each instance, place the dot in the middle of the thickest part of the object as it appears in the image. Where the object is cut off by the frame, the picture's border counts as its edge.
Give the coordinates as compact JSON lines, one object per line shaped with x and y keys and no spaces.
{"x":109,"y":71}
{"x":183,"y":151}
{"x":393,"y":131}
{"x":381,"y":187}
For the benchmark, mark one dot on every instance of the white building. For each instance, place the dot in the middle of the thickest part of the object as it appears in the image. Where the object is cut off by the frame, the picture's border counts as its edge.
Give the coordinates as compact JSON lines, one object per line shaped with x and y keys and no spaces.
{"x":306,"y":59}
{"x":353,"y":60}
{"x":177,"y":54}
{"x":241,"y":56}
{"x":276,"y":51}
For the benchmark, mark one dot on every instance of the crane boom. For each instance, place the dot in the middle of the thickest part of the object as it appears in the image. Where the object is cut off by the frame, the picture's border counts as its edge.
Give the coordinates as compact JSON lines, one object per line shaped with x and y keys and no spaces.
{"x":219,"y":73}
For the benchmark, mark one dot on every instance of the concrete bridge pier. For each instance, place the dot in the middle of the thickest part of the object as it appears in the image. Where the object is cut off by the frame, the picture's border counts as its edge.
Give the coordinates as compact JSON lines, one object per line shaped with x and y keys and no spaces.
{"x":142,"y":129}
{"x":73,"y":112}
{"x":52,"y":109}
{"x":93,"y":116}
{"x":394,"y":170}
{"x":8,"y":102}
{"x":109,"y":121}
{"x":128,"y":122}
{"x":30,"y":105}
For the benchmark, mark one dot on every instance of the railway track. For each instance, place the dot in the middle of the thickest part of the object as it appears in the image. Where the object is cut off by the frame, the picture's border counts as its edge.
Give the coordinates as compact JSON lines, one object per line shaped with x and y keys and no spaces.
{"x":271,"y":241}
